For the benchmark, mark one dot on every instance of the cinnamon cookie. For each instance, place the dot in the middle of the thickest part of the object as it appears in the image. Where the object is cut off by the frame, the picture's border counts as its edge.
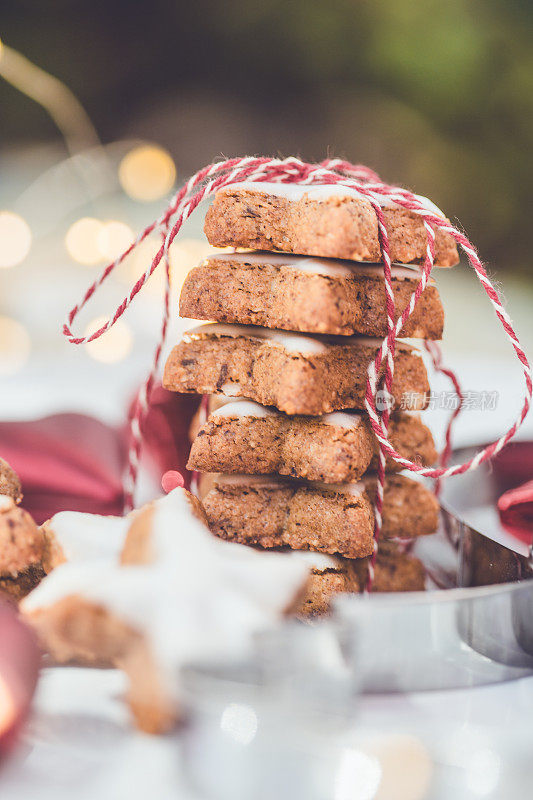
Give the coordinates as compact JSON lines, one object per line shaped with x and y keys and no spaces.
{"x":307,"y":294}
{"x":328,"y":221}
{"x":245,"y":437}
{"x":297,"y":374}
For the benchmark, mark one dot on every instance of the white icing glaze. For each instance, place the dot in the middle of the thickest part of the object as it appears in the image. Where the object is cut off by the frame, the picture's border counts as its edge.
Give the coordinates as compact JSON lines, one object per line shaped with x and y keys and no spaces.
{"x":242,"y":408}
{"x":331,"y":268}
{"x":265,"y":481}
{"x":342,"y":419}
{"x":247,"y":408}
{"x":201,"y":598}
{"x":297,"y":191}
{"x":88,"y":536}
{"x":292,"y":342}
{"x":318,"y":561}
{"x":352,"y":489}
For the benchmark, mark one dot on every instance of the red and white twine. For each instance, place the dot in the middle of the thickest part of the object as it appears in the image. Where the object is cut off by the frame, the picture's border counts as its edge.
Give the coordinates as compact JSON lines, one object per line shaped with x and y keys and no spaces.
{"x":367,"y":184}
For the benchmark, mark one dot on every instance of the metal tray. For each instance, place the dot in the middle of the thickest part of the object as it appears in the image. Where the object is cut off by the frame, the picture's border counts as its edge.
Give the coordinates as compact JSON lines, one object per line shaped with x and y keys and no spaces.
{"x":473,"y":626}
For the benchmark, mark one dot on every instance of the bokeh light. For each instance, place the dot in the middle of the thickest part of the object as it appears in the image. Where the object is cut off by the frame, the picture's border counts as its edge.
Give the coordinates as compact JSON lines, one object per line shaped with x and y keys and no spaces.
{"x":15,"y":239}
{"x":82,"y":241}
{"x":113,"y":239}
{"x":113,"y":346}
{"x":15,"y":346}
{"x":239,"y":722}
{"x":147,"y":173}
{"x":136,"y":263}
{"x":358,"y":776}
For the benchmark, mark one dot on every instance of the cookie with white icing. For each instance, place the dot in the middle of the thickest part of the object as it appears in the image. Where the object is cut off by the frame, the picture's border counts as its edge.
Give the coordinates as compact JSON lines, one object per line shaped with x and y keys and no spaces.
{"x":326,"y":221}
{"x":337,"y":519}
{"x":273,"y":512}
{"x":243,"y":436}
{"x":295,"y":373}
{"x":310,"y":295}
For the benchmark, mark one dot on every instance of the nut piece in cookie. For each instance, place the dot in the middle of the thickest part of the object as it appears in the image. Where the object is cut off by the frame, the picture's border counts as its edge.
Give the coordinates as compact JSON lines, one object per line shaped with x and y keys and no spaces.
{"x":21,"y":541}
{"x":14,"y":589}
{"x":9,"y":482}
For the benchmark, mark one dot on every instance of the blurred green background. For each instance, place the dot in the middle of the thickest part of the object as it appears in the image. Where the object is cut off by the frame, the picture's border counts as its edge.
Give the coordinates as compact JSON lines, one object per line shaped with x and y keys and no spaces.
{"x":437,"y":96}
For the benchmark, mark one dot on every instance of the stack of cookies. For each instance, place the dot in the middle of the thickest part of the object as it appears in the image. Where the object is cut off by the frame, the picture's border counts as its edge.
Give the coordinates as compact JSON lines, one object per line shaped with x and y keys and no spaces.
{"x":287,"y":449}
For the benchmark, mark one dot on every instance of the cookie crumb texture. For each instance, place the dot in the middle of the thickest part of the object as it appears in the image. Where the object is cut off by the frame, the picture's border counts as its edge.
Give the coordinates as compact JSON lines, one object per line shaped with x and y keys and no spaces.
{"x":292,"y":382}
{"x":285,"y":298}
{"x":336,"y":227}
{"x":303,"y":447}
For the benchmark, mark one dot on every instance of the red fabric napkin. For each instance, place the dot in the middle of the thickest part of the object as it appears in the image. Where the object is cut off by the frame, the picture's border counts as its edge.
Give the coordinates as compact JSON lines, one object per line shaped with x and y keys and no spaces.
{"x":72,"y":462}
{"x":66,"y":462}
{"x":512,"y":467}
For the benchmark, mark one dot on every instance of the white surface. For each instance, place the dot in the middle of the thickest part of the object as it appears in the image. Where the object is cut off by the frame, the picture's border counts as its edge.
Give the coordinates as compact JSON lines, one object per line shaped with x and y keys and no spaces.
{"x":80,"y":744}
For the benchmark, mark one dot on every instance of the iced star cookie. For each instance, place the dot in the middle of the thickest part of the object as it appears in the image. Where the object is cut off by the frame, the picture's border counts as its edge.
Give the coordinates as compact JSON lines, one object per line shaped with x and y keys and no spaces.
{"x":245,"y":437}
{"x":297,"y":374}
{"x":328,"y":221}
{"x":310,"y":295}
{"x":149,"y":609}
{"x":336,"y":519}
